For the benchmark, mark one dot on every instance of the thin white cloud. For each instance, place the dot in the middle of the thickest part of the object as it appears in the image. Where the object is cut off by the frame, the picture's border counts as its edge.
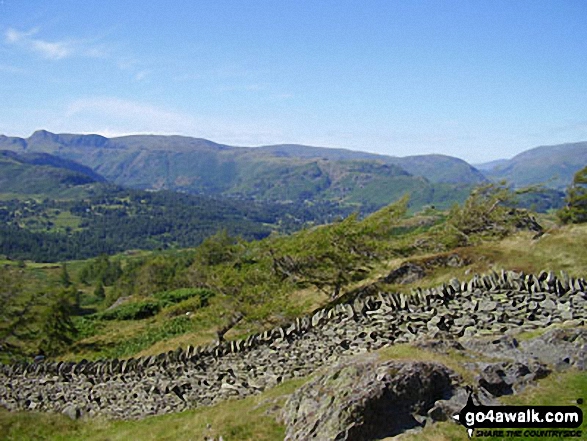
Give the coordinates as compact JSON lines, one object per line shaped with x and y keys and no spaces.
{"x":53,"y":50}
{"x":110,"y":116}
{"x":141,"y":75}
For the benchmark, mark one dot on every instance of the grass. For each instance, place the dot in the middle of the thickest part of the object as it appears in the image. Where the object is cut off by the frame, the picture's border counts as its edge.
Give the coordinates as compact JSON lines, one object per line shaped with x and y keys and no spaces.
{"x":123,"y":339}
{"x":561,"y":248}
{"x":408,"y":352}
{"x":64,"y":220}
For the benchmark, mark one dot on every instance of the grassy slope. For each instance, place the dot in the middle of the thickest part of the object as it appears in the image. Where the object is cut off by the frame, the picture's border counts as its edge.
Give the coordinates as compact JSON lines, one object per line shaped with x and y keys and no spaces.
{"x":18,"y":178}
{"x":559,"y":249}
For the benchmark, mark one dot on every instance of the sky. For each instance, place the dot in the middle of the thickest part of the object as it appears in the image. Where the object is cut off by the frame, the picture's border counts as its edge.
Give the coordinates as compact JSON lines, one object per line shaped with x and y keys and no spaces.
{"x":478,"y":79}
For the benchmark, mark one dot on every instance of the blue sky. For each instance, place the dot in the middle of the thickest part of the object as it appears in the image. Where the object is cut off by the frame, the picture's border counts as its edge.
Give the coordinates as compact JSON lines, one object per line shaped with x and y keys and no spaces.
{"x":480,"y":80}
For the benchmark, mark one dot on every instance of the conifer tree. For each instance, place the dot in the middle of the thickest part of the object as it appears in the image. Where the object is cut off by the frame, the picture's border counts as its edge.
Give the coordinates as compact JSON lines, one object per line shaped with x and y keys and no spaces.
{"x":64,"y":277}
{"x":58,"y":329}
{"x":576,"y":209}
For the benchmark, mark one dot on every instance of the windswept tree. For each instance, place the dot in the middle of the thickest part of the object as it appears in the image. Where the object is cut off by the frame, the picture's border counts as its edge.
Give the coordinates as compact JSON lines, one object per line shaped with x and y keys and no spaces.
{"x":489,"y":211}
{"x":240,"y":275}
{"x":575,"y":210}
{"x":333,"y":256}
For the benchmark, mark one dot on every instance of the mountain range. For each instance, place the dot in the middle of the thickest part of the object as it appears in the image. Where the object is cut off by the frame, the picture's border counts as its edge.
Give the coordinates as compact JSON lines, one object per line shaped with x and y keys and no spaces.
{"x":553,"y":166}
{"x":284,"y":173}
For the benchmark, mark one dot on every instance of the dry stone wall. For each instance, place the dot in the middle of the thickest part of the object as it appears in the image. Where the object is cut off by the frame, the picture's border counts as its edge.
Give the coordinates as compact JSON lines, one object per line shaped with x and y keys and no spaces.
{"x":186,"y":378}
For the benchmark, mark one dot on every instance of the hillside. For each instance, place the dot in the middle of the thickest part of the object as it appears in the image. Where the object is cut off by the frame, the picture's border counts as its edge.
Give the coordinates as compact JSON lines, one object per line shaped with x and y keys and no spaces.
{"x":55,"y":209}
{"x":44,"y":174}
{"x":435,"y":168}
{"x":311,"y":173}
{"x":261,"y":370}
{"x":553,"y":166}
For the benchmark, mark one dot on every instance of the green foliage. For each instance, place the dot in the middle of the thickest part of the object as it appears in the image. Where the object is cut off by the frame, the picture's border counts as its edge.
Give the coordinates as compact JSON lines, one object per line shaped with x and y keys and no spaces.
{"x":132,"y":311}
{"x":540,"y":199}
{"x":179,"y":295}
{"x":187,"y":306}
{"x":17,"y":308}
{"x":150,"y":307}
{"x":36,"y":313}
{"x":58,"y":330}
{"x":115,"y":220}
{"x":216,"y":249}
{"x":99,"y":291}
{"x":87,"y":326}
{"x":333,"y":257}
{"x":487,"y":212}
{"x":64,"y":277}
{"x":153,"y":334}
{"x":159,"y":273}
{"x":336,"y":255}
{"x":100,"y":270}
{"x":575,"y":211}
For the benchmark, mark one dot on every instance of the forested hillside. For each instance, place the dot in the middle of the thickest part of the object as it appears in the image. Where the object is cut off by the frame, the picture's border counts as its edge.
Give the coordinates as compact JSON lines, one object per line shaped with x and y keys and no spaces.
{"x":112,"y":220}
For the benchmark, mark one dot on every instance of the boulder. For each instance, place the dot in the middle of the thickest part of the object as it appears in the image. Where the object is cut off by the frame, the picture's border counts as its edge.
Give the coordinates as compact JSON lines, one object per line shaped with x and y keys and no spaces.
{"x":362,"y":398}
{"x":72,"y":411}
{"x":562,"y":348}
{"x":505,"y":378}
{"x":407,"y":273}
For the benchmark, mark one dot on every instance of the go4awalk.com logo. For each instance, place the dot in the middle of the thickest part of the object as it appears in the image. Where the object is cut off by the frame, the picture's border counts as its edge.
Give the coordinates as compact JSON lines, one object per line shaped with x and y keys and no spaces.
{"x":521,"y":421}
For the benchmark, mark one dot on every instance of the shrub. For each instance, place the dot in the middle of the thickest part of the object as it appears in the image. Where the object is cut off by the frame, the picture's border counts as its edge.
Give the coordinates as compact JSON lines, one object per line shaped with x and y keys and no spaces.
{"x":132,"y":311}
{"x":179,"y":295}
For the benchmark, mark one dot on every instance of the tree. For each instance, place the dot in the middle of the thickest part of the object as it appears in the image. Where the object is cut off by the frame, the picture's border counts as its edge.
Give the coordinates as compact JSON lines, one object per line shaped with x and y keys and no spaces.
{"x":64,"y":276}
{"x":101,"y":270}
{"x":332,"y":257}
{"x":58,"y":330}
{"x":216,"y":249}
{"x":489,"y":211}
{"x":576,"y":209}
{"x":16,"y":314}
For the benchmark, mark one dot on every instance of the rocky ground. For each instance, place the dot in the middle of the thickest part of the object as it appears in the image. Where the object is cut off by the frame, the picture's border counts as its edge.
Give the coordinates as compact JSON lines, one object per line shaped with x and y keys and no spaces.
{"x":362,"y":398}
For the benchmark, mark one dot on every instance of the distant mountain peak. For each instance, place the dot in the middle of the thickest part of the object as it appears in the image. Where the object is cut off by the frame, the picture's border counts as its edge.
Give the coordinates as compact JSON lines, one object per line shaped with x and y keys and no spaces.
{"x":43,"y":135}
